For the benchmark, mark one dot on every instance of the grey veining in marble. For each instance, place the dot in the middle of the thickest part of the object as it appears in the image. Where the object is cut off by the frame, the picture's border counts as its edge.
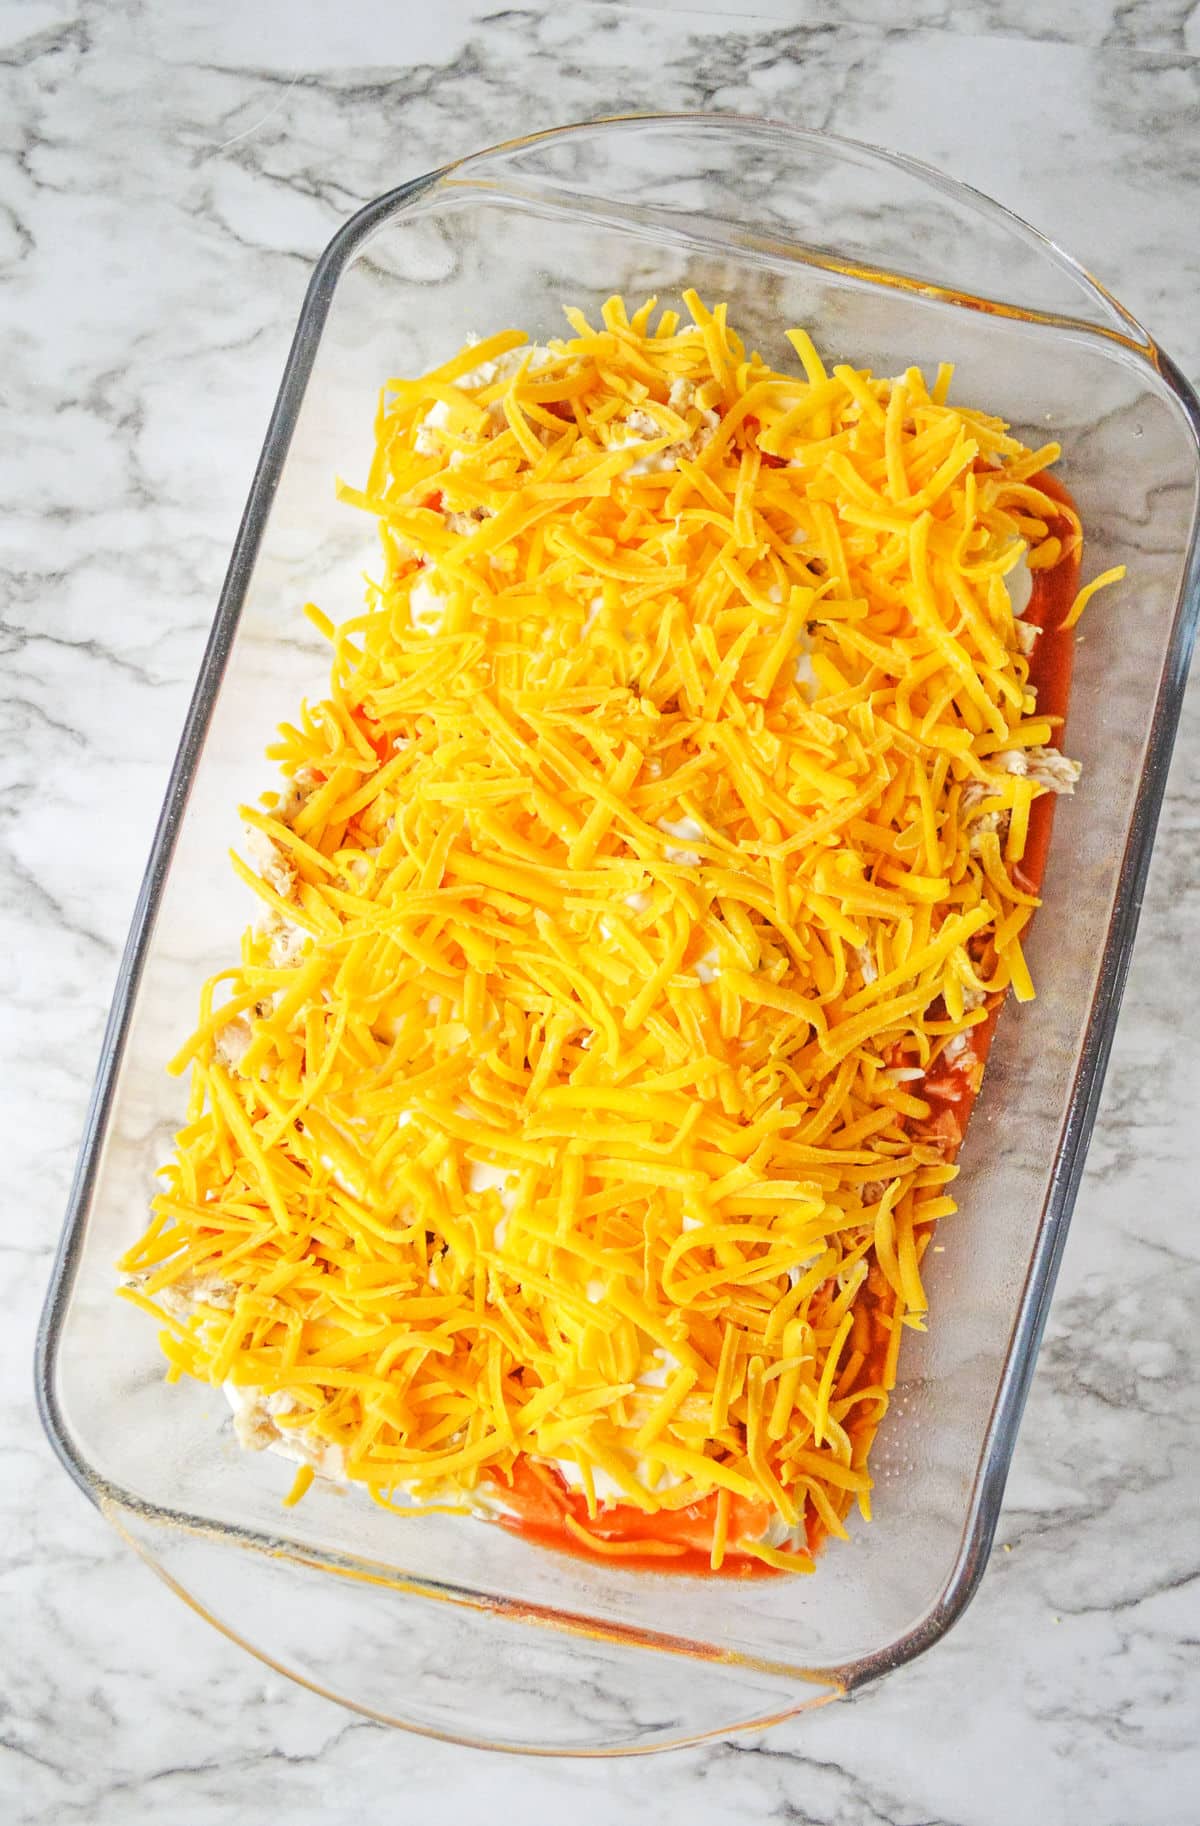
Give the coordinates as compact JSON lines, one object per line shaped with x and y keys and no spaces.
{"x":167,"y":175}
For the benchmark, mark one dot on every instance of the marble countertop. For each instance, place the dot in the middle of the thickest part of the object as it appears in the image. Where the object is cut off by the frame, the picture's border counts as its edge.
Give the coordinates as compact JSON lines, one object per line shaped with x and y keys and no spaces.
{"x":168,"y":173}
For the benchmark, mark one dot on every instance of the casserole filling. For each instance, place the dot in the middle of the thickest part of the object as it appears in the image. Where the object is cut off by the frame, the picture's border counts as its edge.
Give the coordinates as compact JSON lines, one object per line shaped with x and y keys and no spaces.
{"x":567,"y":1141}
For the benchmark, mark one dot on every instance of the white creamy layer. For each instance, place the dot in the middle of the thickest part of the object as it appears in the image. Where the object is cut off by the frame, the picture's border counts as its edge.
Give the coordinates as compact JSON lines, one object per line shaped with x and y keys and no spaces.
{"x":686,"y":831}
{"x":638,"y":431}
{"x":255,"y":1422}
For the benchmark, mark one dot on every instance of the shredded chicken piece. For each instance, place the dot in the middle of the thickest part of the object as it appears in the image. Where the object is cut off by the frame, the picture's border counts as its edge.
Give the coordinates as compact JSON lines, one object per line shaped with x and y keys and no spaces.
{"x":256,"y":1423}
{"x":180,"y":1298}
{"x":295,"y":792}
{"x":269,"y":861}
{"x":997,"y":821}
{"x":640,"y":427}
{"x":285,"y":941}
{"x":1055,"y":771}
{"x":232,"y":1041}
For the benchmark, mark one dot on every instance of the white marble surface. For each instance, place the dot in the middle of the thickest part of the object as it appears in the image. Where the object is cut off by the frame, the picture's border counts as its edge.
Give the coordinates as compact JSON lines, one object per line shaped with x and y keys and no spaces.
{"x":167,"y":175}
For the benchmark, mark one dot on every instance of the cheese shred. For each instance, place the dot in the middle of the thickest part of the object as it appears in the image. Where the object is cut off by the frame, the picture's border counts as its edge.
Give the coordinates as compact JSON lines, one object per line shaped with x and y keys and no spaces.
{"x":656,"y":841}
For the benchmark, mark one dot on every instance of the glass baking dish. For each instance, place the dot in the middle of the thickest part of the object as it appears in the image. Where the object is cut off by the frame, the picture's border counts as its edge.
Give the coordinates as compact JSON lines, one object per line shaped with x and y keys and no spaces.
{"x":449,"y":1626}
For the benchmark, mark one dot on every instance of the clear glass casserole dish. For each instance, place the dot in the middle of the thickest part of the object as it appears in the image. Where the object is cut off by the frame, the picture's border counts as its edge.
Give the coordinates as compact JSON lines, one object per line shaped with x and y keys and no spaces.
{"x":449,"y":1626}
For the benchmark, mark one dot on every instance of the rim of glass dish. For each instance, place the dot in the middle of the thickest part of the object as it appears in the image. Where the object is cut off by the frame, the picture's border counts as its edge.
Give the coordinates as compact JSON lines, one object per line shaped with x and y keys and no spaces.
{"x":1033,"y":1304}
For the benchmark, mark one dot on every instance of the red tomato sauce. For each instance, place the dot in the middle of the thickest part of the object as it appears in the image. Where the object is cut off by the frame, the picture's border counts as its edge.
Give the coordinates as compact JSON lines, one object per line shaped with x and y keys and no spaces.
{"x":681,"y":1540}
{"x":542,"y":1501}
{"x":1050,"y":665}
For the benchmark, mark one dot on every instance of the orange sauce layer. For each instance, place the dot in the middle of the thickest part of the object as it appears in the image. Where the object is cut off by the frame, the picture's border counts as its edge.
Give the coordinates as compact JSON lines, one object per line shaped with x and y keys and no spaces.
{"x":680,"y":1540}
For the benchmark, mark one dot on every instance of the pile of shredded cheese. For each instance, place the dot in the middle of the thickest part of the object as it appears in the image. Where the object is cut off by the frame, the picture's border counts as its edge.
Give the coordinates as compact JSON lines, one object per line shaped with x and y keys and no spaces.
{"x":660,"y":831}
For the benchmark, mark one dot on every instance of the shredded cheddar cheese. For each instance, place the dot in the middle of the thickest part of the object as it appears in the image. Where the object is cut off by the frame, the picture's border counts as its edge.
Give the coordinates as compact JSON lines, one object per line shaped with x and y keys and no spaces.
{"x":658,"y":836}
